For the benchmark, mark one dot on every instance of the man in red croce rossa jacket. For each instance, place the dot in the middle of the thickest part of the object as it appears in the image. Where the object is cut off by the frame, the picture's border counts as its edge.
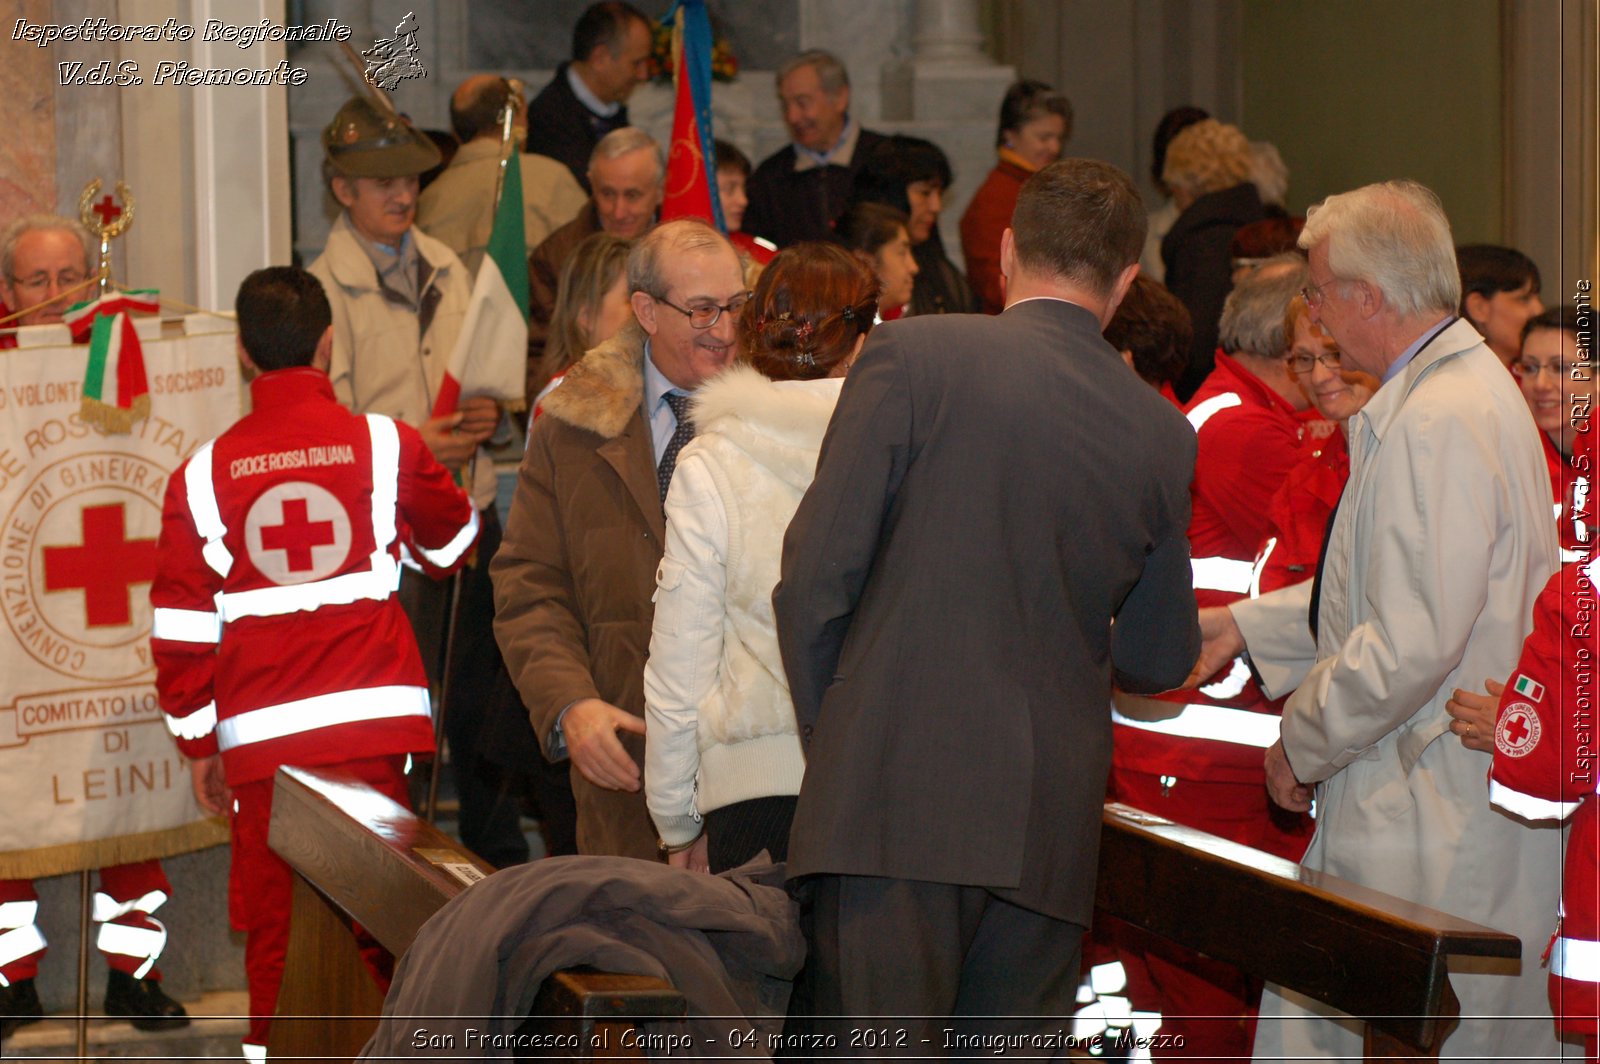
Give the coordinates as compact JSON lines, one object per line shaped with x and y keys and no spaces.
{"x":1541,"y":729}
{"x":277,"y":635}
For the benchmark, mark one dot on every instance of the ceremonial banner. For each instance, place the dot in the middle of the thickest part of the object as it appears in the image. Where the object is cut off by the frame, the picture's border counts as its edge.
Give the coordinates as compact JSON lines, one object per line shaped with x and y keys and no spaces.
{"x":89,"y":775}
{"x":690,"y":187}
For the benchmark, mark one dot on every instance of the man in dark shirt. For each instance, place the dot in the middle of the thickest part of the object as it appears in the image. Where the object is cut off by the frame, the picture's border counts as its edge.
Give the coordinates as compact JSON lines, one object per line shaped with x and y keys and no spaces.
{"x":797,"y":192}
{"x":588,"y":97}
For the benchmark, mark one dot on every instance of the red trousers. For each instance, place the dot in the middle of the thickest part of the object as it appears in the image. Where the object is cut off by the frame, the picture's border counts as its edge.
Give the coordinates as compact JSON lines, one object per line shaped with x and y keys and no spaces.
{"x":261,"y":885}
{"x":130,"y":937}
{"x":1209,"y":1005}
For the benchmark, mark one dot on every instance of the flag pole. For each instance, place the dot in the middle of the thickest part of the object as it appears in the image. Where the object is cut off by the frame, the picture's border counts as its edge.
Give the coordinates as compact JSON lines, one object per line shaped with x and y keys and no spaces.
{"x":508,"y":113}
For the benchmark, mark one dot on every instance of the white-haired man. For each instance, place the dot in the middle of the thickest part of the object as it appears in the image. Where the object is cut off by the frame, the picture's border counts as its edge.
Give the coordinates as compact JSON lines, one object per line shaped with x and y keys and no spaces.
{"x":626,"y":171}
{"x":1439,"y":546}
{"x":42,"y":258}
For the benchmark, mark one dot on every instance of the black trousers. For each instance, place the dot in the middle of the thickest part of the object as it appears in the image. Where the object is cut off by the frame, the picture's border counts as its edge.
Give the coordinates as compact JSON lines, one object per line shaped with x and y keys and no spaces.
{"x":738,"y":832}
{"x":494,"y":755}
{"x":932,"y":969}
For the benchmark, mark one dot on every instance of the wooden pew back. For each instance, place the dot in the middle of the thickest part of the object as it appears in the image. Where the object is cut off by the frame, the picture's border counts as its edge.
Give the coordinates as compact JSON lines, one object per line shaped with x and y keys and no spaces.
{"x":1377,"y":957}
{"x":361,"y":858}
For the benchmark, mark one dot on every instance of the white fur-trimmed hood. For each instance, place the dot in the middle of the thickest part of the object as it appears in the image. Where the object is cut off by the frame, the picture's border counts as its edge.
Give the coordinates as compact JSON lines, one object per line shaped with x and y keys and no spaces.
{"x":779,"y":424}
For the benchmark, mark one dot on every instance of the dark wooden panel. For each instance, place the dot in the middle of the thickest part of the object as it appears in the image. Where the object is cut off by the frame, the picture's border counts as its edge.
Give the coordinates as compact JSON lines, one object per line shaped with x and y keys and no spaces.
{"x":1372,"y":955}
{"x":359,"y":849}
{"x":365,"y":859}
{"x":329,"y":1003}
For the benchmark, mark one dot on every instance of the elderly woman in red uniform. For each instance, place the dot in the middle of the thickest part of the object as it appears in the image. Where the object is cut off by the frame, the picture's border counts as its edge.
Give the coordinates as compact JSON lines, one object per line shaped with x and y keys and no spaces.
{"x":1300,"y":510}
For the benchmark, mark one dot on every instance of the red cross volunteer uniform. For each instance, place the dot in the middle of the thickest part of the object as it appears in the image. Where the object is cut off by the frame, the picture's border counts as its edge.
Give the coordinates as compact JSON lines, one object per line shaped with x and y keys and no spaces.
{"x":277,"y":635}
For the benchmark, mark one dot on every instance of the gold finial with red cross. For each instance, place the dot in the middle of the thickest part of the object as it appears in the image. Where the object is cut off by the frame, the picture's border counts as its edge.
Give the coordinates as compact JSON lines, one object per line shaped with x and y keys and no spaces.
{"x":108,"y":219}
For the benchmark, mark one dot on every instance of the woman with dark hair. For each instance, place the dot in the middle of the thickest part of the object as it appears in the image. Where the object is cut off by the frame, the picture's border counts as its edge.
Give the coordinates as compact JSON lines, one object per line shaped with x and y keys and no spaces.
{"x":1556,"y":373}
{"x":733,"y":176}
{"x":877,"y":235}
{"x":1035,"y":124}
{"x":722,"y":757}
{"x":1499,"y":295}
{"x":911,"y":175}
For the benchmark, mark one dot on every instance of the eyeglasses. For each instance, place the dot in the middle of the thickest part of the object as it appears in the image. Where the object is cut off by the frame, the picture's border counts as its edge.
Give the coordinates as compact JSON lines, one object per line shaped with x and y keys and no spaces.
{"x":38,"y":282}
{"x":1314,"y":295}
{"x":1302,"y":363}
{"x":1527,"y":369}
{"x":706,"y":315}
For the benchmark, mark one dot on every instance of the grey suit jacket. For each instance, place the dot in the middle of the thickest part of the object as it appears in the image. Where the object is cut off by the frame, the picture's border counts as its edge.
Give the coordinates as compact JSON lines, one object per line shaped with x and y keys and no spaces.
{"x":992,"y":493}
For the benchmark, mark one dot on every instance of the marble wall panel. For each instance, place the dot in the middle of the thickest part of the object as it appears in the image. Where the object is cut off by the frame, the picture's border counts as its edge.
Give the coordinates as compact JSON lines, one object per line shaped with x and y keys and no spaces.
{"x":27,"y":114}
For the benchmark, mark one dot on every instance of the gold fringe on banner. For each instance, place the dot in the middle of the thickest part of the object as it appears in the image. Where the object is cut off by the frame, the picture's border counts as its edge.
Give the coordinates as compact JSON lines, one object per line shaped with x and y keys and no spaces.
{"x":122,"y":849}
{"x":114,"y":420}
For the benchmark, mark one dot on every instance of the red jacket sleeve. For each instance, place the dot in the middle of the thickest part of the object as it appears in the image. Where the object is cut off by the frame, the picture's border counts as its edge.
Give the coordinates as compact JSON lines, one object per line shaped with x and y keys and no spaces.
{"x":186,"y":628}
{"x":987,"y":217}
{"x":1544,"y":739}
{"x":438,"y":523}
{"x":1244,"y":459}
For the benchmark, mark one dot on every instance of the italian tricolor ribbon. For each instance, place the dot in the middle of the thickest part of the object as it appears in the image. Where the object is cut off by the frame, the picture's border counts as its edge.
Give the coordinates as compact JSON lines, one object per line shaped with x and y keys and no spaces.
{"x":116,"y":390}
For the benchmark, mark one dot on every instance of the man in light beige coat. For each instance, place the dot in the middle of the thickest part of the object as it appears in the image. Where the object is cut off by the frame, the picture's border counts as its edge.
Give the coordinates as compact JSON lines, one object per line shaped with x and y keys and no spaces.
{"x":398,"y":298}
{"x":1439,"y":546}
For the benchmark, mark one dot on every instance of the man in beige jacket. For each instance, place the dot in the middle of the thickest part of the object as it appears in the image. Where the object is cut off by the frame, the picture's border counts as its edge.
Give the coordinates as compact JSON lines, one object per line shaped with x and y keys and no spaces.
{"x":1440,"y":544}
{"x":457,"y":208}
{"x":398,"y":298}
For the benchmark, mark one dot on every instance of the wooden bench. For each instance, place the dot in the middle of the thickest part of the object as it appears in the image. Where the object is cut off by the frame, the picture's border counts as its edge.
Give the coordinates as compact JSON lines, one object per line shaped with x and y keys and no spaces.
{"x":360,"y":858}
{"x":1379,"y":958}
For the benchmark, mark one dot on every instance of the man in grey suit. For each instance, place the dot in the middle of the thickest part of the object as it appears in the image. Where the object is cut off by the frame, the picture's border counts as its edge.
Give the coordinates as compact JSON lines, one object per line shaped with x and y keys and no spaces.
{"x":992,"y":493}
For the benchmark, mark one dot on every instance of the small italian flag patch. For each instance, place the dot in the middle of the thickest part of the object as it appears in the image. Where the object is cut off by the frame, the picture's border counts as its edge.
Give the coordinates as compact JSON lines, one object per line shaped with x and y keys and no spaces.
{"x":1528,"y":688}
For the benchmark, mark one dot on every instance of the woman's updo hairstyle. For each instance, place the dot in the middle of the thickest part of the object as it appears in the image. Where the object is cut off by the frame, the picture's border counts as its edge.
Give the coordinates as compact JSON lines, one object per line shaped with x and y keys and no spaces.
{"x":812,"y":302}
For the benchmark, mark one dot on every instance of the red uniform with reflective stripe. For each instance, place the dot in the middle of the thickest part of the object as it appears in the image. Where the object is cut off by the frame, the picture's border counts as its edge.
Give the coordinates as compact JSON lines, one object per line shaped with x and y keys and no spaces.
{"x":1564,"y":476}
{"x":128,"y":895}
{"x":1249,"y":438}
{"x":280,"y":644}
{"x":1299,"y":513}
{"x":277,"y":635}
{"x":1544,"y":767}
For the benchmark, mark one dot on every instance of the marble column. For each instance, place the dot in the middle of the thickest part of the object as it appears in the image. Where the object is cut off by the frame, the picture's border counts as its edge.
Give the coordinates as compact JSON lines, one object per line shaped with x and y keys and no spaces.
{"x":947,"y":32}
{"x":949,"y":77}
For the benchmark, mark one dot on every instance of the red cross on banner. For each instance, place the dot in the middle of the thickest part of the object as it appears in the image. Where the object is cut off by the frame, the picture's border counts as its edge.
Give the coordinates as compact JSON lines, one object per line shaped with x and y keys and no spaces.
{"x":105,"y":566}
{"x":297,"y":535}
{"x":1516,"y":728}
{"x":108,"y":210}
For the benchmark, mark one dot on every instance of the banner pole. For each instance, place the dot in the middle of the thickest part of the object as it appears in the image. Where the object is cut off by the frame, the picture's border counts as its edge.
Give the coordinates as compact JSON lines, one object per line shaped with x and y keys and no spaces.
{"x":83,"y":964}
{"x":452,"y":610}
{"x":444,"y":697}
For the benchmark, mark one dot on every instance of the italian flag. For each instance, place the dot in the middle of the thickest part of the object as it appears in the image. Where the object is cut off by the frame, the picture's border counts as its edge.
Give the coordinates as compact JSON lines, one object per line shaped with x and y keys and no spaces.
{"x":491,"y":352}
{"x":1528,"y":688}
{"x":116,"y":390}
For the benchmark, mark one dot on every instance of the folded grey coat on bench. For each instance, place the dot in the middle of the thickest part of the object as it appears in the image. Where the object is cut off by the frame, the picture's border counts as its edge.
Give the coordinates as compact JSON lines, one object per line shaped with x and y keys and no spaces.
{"x":730,"y":944}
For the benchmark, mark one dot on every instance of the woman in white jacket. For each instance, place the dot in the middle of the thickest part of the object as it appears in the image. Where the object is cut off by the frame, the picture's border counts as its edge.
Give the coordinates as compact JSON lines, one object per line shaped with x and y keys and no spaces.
{"x":722,"y":758}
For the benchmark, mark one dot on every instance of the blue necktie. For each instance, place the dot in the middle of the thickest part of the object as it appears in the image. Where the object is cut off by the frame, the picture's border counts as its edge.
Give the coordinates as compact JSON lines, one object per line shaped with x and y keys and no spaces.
{"x":680,"y":436}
